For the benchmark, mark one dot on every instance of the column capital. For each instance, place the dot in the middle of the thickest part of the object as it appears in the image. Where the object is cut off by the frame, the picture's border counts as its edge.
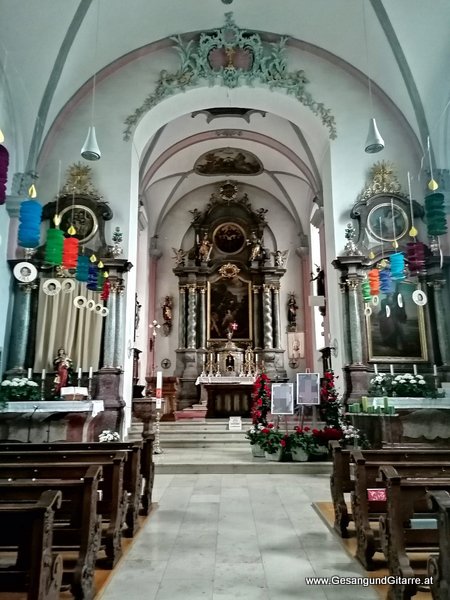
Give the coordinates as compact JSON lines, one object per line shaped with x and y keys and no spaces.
{"x":256,"y":289}
{"x":352,"y":283}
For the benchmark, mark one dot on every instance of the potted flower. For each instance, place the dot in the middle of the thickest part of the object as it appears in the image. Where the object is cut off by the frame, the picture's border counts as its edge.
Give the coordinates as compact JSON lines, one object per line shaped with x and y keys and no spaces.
{"x":302,"y":443}
{"x":274,"y":442}
{"x":19,"y":389}
{"x":323,"y":436}
{"x":404,"y":385}
{"x":254,"y":435}
{"x":260,"y":408}
{"x":109,"y":436}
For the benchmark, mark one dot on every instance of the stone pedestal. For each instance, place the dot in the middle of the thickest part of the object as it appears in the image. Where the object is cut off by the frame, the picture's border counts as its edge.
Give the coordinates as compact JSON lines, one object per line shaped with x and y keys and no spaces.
{"x":108,"y":390}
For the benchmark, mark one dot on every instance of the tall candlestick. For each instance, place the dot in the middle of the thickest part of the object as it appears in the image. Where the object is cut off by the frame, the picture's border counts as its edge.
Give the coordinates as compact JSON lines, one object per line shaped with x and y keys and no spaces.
{"x":415,"y":369}
{"x":391,"y":368}
{"x":159,"y":384}
{"x":435,"y":370}
{"x":30,"y":373}
{"x":90,"y":372}
{"x":79,"y":373}
{"x":43,"y":375}
{"x":375,"y":368}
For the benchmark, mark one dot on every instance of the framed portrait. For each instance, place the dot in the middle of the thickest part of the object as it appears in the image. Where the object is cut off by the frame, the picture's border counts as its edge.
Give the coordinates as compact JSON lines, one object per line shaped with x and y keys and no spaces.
{"x":308,"y":388}
{"x":229,"y":302}
{"x":282,"y":401}
{"x":396,"y":326}
{"x":296,"y":345}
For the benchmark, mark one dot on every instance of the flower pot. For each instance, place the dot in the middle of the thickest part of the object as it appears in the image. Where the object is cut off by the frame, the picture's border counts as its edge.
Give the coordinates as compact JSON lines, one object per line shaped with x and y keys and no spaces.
{"x":299,"y":455}
{"x":257,"y":451}
{"x":276,"y":456}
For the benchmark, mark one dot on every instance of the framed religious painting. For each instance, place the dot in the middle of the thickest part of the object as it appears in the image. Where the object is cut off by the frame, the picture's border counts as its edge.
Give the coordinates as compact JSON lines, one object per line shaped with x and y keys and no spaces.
{"x":395,"y":325}
{"x":229,"y":309}
{"x":282,"y":399}
{"x":308,"y":388}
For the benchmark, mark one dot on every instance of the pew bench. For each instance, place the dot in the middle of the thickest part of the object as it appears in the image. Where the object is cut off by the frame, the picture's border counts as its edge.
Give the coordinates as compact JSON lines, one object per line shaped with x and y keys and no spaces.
{"x":341,"y":482}
{"x":27,"y":526}
{"x":76,"y":525}
{"x":113,"y":499}
{"x":439,"y":564}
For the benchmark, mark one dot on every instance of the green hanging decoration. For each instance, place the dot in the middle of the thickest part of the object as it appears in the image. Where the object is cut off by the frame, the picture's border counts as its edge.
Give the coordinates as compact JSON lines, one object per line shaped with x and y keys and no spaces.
{"x":54,"y":247}
{"x":435,"y":214}
{"x":365,"y":289}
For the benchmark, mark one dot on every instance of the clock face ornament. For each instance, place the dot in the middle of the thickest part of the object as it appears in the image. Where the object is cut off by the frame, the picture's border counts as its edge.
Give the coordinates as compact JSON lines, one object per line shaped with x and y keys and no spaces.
{"x":165,"y":363}
{"x":387,"y":222}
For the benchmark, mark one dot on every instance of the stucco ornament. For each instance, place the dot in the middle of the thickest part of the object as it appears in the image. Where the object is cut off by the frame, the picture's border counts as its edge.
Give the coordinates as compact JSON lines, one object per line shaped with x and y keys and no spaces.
{"x":231,"y":57}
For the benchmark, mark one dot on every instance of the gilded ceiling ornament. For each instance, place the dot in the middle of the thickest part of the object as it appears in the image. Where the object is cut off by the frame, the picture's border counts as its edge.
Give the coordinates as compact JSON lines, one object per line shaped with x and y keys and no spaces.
{"x":231,"y":57}
{"x":383,"y":180}
{"x":79,"y":180}
{"x":229,"y":271}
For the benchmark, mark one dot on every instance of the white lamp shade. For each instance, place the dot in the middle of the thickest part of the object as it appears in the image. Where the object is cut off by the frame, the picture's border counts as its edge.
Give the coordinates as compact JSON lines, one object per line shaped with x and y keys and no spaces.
{"x":374,"y":141}
{"x":90,"y":149}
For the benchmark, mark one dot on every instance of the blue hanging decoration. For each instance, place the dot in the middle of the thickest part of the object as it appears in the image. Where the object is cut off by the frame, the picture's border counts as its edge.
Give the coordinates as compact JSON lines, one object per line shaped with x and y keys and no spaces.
{"x":30,"y":214}
{"x":386,"y":283}
{"x":397,"y":262}
{"x":92,"y":278}
{"x":82,"y":272}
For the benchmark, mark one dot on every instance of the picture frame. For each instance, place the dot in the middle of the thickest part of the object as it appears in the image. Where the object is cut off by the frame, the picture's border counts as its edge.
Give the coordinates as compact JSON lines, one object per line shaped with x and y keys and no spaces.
{"x":282,"y":399}
{"x":396,"y":333}
{"x":296,"y":345}
{"x":229,"y":301}
{"x":308,"y":389}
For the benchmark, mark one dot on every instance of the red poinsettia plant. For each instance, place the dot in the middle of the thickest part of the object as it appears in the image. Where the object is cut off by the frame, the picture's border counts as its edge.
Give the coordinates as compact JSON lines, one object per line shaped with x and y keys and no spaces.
{"x":261,"y":399}
{"x":331,"y":409}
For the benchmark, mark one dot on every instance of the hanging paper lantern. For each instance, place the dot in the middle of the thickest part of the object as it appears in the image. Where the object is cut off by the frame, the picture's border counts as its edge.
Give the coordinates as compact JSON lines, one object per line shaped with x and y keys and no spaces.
{"x":82,"y":272}
{"x":92,"y":278}
{"x":4,"y":162}
{"x":435,"y":214}
{"x":70,"y":252}
{"x":374,"y":281}
{"x":415,"y":254}
{"x":29,"y":233}
{"x":54,"y":247}
{"x":397,"y":261}
{"x":365,"y":289}
{"x":386,"y":284}
{"x":106,"y":289}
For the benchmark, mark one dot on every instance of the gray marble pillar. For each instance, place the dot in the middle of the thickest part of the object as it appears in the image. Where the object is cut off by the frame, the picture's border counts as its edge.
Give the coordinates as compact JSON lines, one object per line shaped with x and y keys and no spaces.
{"x":202,"y":318}
{"x":355,"y":321}
{"x":441,"y":319}
{"x":118,"y":348}
{"x":347,"y":353}
{"x":267,"y":316}
{"x":182,"y":318}
{"x":276,"y":318}
{"x":110,"y":328}
{"x":257,"y":316}
{"x":192,"y":317}
{"x":20,"y":326}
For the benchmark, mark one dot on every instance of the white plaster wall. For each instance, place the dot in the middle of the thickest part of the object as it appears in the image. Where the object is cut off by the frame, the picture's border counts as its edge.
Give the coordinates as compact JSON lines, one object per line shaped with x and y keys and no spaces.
{"x":142,"y":289}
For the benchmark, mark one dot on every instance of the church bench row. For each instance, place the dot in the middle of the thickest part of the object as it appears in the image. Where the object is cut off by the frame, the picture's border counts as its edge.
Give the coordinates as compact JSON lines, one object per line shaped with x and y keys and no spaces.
{"x":341,"y":482}
{"x":28,"y":526}
{"x":76,"y":527}
{"x":411,"y":548}
{"x":439,"y":564}
{"x":112,"y":501}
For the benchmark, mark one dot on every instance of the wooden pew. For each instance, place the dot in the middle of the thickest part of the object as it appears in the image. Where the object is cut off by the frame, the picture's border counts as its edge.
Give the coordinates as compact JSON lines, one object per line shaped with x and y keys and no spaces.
{"x":28,"y":526}
{"x":407,"y":500}
{"x":366,"y":513}
{"x":76,"y":525}
{"x":439,"y":565}
{"x":341,"y":482}
{"x":111,"y":506}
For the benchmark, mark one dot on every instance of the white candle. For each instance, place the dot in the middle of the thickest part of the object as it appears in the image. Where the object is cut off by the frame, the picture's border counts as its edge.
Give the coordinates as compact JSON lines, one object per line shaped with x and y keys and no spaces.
{"x":256,"y":358}
{"x":391,"y":369}
{"x":79,"y":373}
{"x":43,"y":375}
{"x":375,"y":368}
{"x":159,"y":380}
{"x":90,"y":372}
{"x":415,"y":369}
{"x":435,"y":370}
{"x":30,"y":373}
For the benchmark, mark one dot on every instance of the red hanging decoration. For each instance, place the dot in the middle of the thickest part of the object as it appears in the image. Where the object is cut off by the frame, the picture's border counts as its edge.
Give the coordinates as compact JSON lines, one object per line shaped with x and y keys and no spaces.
{"x":70,"y":253}
{"x":4,"y":161}
{"x":374,"y":280}
{"x":416,"y":257}
{"x":106,"y":289}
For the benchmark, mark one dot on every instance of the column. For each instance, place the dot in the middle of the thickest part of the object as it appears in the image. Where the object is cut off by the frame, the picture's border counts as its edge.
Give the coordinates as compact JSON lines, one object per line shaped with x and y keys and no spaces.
{"x":192,"y":317}
{"x":346,"y":346}
{"x":21,"y":325}
{"x":276,"y":317}
{"x":441,"y":321}
{"x":267,"y":316}
{"x":256,"y":316}
{"x":354,"y":320}
{"x":119,"y":332}
{"x":202,"y":317}
{"x":110,"y":327}
{"x":182,"y":318}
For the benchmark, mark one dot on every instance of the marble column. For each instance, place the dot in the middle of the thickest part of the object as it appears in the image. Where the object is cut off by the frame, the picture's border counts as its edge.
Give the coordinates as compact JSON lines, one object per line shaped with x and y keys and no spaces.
{"x":192,"y":317}
{"x":276,"y":317}
{"x":441,"y":320}
{"x":267,"y":316}
{"x":202,"y":318}
{"x":355,"y":321}
{"x":110,"y":327}
{"x":182,"y":318}
{"x":256,"y":316}
{"x":346,"y":350}
{"x":21,"y":326}
{"x":118,"y":347}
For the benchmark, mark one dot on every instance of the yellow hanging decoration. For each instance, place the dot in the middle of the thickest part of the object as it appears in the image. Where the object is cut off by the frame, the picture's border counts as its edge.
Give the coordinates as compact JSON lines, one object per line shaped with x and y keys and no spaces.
{"x":105,"y":274}
{"x":93,"y":258}
{"x":371,"y":255}
{"x":100,"y":264}
{"x":71,"y":230}
{"x":433,"y":185}
{"x":32,"y":191}
{"x":57,"y":221}
{"x":395,"y":244}
{"x":413,"y":232}
{"x":382,"y":264}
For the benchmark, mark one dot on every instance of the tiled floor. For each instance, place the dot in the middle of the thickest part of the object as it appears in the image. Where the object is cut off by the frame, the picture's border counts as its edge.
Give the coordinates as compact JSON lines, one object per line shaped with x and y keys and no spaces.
{"x":232,"y":536}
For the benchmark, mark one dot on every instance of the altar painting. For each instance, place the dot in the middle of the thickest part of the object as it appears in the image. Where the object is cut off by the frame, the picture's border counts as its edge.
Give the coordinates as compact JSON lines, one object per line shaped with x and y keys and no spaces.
{"x":229,"y":302}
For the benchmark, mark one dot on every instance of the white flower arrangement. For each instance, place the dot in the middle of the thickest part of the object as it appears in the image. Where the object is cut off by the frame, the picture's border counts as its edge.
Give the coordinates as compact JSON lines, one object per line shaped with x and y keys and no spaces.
{"x":406,"y":384}
{"x":19,"y":389}
{"x":109,"y":436}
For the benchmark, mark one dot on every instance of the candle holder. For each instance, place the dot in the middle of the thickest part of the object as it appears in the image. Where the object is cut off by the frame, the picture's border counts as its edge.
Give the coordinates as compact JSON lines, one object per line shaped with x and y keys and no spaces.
{"x":157,"y":446}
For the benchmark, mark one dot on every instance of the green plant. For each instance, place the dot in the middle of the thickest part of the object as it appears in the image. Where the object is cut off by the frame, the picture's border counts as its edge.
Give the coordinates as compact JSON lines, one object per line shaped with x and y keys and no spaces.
{"x":19,"y":389}
{"x":273,"y":439}
{"x":304,"y":438}
{"x":254,"y":434}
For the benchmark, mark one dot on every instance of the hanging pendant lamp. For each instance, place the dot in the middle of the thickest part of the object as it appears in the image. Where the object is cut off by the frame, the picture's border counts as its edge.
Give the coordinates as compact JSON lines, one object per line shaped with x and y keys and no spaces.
{"x":90,"y":149}
{"x":374,"y":141}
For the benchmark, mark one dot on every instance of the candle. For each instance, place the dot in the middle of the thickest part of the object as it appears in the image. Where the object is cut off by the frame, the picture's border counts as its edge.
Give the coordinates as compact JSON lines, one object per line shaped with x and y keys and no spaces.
{"x":375,"y":368}
{"x":43,"y":375}
{"x":364,"y":403}
{"x":256,"y":359}
{"x":30,"y":373}
{"x":435,"y":370}
{"x":90,"y":372}
{"x":386,"y":405}
{"x":159,"y":380}
{"x":415,"y":369}
{"x":391,"y":368}
{"x":79,"y":373}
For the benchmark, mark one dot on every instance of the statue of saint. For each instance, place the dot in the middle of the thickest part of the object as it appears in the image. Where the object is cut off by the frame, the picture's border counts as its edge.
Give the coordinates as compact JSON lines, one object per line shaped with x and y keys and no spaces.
{"x":63,"y":365}
{"x":292,"y":311}
{"x":256,"y":250}
{"x":204,"y":249}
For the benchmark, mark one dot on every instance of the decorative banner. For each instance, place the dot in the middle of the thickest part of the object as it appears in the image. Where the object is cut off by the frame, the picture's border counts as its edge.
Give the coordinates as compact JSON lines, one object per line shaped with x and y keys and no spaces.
{"x":67,"y":286}
{"x":80,"y":302}
{"x":51,"y":287}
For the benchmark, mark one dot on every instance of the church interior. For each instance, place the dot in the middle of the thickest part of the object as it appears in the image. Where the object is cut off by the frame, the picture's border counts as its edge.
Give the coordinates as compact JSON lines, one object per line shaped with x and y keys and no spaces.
{"x":224,"y":351}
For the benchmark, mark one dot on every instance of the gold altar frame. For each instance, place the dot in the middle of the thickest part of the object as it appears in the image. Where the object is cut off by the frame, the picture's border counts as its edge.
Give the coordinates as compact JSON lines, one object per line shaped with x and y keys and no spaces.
{"x":231,"y":294}
{"x":410,"y":334}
